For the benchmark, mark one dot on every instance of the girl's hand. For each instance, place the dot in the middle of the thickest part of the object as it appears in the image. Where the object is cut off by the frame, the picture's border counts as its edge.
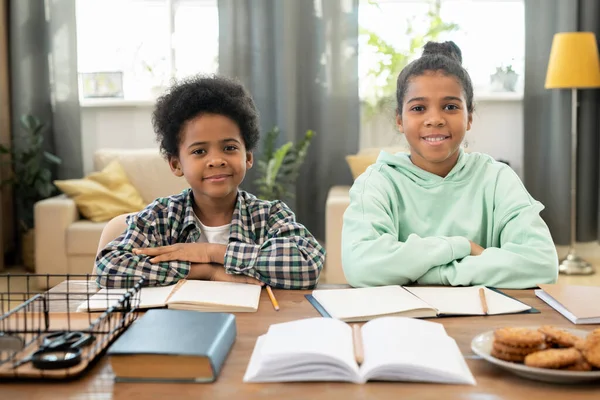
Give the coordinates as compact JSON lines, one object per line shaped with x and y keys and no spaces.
{"x":476,"y":249}
{"x":192,"y":252}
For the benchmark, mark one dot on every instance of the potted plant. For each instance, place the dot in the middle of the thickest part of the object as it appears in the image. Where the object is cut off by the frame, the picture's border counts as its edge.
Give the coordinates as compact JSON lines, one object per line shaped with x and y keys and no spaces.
{"x":383,"y":74}
{"x":279,"y":168}
{"x":504,"y":79}
{"x":31,"y":180}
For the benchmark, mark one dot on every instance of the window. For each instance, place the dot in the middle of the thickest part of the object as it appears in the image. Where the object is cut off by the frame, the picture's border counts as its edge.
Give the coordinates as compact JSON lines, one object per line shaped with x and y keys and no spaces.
{"x":149,"y":41}
{"x":490,"y":33}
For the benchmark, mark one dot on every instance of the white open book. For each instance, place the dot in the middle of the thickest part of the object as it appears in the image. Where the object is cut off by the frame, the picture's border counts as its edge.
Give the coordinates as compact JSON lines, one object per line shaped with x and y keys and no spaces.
{"x":322,"y":349}
{"x":363,"y":304}
{"x":185,"y":295}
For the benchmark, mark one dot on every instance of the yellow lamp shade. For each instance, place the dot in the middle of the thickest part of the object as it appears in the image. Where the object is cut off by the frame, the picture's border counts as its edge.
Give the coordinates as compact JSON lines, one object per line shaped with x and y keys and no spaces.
{"x":573,"y":61}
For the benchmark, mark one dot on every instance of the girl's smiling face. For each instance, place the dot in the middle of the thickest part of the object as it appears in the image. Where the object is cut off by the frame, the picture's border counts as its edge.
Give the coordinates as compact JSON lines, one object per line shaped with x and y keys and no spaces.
{"x":435,"y":120}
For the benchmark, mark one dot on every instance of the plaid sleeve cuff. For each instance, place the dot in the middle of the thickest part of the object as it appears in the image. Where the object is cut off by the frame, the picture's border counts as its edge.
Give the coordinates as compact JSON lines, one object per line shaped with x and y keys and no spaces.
{"x":241,"y":257}
{"x":116,"y":270}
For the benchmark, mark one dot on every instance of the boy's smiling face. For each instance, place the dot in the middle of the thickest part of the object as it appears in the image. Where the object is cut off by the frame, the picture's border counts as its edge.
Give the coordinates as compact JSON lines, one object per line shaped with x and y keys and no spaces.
{"x":212,"y":157}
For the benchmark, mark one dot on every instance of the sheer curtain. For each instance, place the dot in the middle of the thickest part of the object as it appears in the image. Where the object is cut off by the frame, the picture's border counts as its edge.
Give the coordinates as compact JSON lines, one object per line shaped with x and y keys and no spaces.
{"x":43,"y":75}
{"x":299,"y":59}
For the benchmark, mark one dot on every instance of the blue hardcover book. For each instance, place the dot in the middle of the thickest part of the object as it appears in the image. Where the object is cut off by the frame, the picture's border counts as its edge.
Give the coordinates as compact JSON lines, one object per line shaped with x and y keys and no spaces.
{"x":173,"y":345}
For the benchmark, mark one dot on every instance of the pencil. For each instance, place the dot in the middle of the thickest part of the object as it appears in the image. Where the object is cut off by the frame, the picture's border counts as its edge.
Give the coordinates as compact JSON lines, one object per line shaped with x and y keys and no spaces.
{"x":484,"y":305}
{"x":358,"y":344}
{"x":273,"y":299}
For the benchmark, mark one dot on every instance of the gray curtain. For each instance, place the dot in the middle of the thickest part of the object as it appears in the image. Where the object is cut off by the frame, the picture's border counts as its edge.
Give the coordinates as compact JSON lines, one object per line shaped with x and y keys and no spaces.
{"x":547,"y":122}
{"x":43,"y":76}
{"x":299,"y":59}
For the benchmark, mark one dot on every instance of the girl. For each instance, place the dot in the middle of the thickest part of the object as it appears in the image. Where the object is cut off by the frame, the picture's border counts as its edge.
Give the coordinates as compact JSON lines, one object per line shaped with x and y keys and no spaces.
{"x":440,"y":216}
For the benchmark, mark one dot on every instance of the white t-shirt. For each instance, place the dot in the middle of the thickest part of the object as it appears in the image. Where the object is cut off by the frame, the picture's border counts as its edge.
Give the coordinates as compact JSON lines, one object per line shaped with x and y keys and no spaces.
{"x":213,"y":234}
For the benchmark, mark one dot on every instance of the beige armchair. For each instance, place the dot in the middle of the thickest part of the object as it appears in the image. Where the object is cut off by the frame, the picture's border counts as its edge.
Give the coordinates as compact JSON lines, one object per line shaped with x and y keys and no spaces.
{"x":67,"y":244}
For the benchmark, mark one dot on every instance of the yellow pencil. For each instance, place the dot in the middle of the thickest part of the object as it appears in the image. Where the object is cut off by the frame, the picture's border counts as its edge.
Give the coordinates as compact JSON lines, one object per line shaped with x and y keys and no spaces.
{"x":273,"y":299}
{"x":484,"y":305}
{"x":359,"y":355}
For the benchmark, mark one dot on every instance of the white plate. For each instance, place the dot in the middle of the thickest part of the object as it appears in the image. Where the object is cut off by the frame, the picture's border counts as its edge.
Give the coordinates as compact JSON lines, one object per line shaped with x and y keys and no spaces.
{"x":482,"y":346}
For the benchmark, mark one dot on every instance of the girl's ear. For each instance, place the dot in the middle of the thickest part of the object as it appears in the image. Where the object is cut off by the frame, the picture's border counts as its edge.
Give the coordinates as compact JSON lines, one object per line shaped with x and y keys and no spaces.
{"x":399,"y":123}
{"x":469,"y":121}
{"x":249,"y":159}
{"x":175,"y":166}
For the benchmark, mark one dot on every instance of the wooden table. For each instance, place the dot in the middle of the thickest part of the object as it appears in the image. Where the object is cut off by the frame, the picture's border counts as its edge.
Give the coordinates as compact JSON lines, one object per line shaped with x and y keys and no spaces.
{"x":492,"y":382}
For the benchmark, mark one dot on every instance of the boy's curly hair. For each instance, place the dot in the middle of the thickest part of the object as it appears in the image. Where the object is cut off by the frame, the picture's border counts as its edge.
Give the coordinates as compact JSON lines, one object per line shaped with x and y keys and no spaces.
{"x":203,"y":94}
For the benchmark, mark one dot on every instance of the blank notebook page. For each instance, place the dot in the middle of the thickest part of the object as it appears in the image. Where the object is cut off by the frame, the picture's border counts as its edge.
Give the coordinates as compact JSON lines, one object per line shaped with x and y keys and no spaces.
{"x":218,"y":293}
{"x":350,"y":303}
{"x":465,"y":300}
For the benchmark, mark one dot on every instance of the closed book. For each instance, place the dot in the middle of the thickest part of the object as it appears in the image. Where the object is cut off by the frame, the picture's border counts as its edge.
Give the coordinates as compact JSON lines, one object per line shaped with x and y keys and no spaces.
{"x":173,"y":345}
{"x":579,"y":304}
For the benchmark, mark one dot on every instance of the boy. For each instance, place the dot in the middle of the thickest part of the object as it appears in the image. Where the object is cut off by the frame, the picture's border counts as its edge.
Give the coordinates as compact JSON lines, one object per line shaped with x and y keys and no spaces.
{"x":207,"y":128}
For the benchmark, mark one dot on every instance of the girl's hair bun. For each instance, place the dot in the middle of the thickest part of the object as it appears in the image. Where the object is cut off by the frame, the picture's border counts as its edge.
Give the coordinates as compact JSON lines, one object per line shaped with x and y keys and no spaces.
{"x":448,"y":49}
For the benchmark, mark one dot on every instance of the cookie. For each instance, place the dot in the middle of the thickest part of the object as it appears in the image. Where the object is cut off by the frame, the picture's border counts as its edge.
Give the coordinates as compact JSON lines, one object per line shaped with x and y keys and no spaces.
{"x":523,"y":351}
{"x":519,"y":337}
{"x":581,"y":366}
{"x":553,"y":358}
{"x":518,"y":358}
{"x":580,"y":344}
{"x":591,"y":350}
{"x":559,"y":337}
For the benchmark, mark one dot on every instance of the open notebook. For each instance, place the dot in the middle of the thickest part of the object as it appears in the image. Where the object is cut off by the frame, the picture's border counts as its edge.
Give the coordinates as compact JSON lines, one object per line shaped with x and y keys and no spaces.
{"x":322,"y":349}
{"x":363,"y":304}
{"x":185,"y":295}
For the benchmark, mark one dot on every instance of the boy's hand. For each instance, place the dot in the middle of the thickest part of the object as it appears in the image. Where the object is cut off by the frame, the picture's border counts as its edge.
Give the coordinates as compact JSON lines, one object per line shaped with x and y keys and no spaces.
{"x":476,"y":249}
{"x":192,"y":252}
{"x":211,"y":272}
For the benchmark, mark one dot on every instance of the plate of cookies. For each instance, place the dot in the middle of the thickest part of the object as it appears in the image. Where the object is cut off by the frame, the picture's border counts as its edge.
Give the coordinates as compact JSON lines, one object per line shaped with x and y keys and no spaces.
{"x":544,"y":353}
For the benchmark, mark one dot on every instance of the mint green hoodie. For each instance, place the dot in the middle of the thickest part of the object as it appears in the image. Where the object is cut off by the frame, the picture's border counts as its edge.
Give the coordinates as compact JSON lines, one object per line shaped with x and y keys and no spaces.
{"x":408,"y":225}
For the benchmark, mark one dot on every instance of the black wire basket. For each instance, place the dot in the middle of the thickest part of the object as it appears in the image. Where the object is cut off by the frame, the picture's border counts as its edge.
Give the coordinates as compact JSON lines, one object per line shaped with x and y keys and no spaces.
{"x":54,"y":334}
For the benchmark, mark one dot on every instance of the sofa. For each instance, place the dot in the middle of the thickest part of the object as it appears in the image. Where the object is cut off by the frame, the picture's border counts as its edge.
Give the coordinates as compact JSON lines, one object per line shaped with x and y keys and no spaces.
{"x":66,"y":243}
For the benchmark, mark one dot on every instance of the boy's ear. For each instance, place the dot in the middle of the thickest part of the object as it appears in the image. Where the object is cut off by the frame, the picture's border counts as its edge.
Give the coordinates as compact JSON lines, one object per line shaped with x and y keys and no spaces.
{"x":399,"y":123}
{"x":469,"y":121}
{"x":175,"y":166}
{"x":249,"y":159}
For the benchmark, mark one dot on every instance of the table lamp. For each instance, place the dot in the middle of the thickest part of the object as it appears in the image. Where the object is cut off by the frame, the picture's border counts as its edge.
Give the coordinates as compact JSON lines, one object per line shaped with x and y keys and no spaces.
{"x":573,"y":65}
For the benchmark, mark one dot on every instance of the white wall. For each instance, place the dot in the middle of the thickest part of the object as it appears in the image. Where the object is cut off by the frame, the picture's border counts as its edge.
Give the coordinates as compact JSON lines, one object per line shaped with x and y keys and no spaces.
{"x":497,"y":128}
{"x":115,"y":125}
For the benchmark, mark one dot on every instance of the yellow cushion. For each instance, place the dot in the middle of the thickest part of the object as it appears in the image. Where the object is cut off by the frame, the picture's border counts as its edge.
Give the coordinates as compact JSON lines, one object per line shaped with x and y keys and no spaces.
{"x":103,"y":195}
{"x":358,"y":163}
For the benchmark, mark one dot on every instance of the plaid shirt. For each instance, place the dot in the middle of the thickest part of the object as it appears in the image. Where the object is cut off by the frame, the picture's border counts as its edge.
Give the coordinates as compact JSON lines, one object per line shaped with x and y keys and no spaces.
{"x":265,"y":242}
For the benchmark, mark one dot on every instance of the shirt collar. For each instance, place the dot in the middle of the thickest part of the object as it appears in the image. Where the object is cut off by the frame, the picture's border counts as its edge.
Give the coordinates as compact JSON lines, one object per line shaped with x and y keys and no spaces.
{"x":241,"y":222}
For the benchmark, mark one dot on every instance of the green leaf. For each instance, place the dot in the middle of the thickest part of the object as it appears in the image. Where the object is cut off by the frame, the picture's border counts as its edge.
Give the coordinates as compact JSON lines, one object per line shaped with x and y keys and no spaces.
{"x":275,"y":163}
{"x":269,"y":144}
{"x":51,"y":158}
{"x":31,"y":124}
